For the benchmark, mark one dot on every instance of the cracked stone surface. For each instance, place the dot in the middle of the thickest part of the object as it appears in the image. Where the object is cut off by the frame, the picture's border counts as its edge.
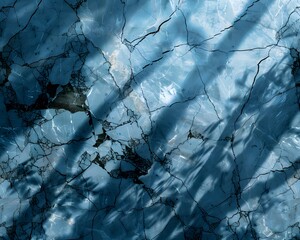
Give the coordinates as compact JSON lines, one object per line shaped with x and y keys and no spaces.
{"x":141,"y":119}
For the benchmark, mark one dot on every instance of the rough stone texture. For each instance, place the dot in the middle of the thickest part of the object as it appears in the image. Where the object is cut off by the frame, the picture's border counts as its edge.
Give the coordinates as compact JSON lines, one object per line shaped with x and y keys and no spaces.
{"x":141,"y":119}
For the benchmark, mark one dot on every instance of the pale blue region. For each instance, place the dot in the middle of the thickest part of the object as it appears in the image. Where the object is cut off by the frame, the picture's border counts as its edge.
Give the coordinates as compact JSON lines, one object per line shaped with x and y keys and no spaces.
{"x":163,"y":119}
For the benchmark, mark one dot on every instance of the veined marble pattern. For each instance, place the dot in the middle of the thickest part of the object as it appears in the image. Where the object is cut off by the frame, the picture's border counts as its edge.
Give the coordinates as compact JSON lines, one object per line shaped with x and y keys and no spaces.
{"x":149,"y":119}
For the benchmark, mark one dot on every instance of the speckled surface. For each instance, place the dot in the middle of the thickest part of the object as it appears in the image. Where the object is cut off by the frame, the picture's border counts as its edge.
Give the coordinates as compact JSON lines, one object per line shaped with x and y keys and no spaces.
{"x":128,"y":119}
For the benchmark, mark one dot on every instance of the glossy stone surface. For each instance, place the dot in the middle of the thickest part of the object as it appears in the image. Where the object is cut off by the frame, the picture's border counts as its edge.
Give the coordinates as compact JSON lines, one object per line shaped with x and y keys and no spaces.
{"x":163,"y":119}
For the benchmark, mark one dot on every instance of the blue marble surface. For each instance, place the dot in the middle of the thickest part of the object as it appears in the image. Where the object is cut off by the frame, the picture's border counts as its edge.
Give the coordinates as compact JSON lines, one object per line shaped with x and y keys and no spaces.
{"x":149,"y":119}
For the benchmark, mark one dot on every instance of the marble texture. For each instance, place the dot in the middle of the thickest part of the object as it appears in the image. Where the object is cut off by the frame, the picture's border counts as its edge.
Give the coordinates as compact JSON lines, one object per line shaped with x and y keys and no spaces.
{"x":141,"y":119}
